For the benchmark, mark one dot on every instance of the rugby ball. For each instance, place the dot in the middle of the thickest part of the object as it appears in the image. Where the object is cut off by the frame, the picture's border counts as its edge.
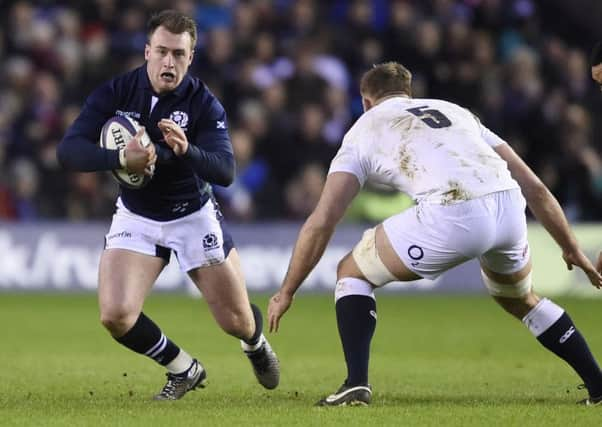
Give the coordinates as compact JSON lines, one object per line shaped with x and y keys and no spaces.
{"x":115,"y":135}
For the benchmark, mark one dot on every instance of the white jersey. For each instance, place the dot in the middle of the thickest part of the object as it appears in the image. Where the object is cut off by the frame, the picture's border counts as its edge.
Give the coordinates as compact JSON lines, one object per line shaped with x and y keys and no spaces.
{"x":434,"y":151}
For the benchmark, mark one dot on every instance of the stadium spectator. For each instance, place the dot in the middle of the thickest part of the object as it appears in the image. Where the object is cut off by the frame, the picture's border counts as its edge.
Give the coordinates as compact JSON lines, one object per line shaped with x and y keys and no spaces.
{"x":192,"y":148}
{"x":303,"y":191}
{"x":238,"y":199}
{"x":24,"y":179}
{"x":467,"y":183}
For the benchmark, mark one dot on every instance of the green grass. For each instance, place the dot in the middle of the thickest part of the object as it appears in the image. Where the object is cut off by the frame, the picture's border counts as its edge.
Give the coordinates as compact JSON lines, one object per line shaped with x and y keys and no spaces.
{"x":436,"y":361}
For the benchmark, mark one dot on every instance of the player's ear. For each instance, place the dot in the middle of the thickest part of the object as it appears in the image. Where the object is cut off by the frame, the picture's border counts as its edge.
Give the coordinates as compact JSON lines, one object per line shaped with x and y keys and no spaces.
{"x":191,"y":57}
{"x":366,"y":103}
{"x":146,"y":51}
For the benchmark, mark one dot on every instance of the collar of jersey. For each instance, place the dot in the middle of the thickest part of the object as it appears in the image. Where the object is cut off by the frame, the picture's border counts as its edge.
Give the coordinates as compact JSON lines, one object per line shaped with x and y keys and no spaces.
{"x":392,"y":97}
{"x":144,"y":82}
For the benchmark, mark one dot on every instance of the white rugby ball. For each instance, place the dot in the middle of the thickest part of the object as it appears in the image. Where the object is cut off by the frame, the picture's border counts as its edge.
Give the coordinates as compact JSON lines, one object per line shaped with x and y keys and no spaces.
{"x":115,"y":135}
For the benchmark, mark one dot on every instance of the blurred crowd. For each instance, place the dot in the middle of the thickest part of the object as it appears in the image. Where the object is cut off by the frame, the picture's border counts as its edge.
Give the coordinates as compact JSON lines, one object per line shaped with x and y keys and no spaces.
{"x":287,"y":73}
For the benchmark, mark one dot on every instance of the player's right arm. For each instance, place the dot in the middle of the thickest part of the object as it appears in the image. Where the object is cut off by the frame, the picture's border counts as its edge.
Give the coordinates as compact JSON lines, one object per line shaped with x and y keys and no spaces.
{"x":548,"y":212}
{"x":347,"y":174}
{"x":79,"y":150}
{"x":339,"y":190}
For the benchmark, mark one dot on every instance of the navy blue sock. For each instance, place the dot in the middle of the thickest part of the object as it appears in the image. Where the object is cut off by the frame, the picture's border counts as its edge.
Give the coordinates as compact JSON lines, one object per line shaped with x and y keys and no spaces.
{"x":356,"y":319}
{"x":146,"y":338}
{"x":258,"y":325}
{"x":564,"y":340}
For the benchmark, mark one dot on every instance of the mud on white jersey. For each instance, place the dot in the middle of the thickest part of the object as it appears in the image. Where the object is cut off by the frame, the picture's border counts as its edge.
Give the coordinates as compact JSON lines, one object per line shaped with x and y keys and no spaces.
{"x":433,"y":150}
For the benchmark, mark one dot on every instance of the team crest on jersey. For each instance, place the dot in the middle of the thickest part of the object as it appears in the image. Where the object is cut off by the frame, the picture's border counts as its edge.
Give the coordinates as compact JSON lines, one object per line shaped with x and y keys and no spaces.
{"x":180,"y":118}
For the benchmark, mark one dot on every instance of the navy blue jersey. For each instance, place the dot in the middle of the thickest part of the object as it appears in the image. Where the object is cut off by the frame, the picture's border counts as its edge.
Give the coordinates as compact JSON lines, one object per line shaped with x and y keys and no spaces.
{"x":179,"y":185}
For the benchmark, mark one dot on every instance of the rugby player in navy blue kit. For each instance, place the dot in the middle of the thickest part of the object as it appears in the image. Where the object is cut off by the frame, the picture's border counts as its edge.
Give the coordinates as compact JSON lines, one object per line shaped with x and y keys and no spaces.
{"x":175,"y":211}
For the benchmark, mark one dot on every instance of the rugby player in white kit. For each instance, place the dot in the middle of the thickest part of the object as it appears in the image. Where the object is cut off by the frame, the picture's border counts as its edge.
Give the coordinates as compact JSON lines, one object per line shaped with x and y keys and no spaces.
{"x":470,"y":189}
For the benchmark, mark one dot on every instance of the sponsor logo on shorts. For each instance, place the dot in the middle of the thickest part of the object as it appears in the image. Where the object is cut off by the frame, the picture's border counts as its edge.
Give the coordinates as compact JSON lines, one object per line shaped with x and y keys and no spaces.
{"x":122,"y":234}
{"x":415,"y":252}
{"x":210,"y":241}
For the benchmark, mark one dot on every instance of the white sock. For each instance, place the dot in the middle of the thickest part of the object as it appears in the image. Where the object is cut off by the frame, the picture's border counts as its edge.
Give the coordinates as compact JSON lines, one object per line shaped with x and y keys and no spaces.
{"x":181,"y":363}
{"x":352,"y":286}
{"x":248,"y":347}
{"x":542,"y":316}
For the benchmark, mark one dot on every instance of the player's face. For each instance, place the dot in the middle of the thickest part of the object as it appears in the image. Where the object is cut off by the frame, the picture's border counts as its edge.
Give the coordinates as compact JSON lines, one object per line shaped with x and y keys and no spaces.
{"x":168,"y":57}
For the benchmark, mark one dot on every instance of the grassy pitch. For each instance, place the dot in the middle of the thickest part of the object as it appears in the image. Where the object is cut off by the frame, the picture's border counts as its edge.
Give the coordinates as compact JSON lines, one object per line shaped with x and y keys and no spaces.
{"x":436,"y":361}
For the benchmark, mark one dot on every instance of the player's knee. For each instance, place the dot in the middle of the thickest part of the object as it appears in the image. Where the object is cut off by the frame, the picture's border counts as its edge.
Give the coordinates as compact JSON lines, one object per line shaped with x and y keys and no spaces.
{"x":518,"y":291}
{"x":516,"y":298}
{"x":118,"y":320}
{"x":365,"y":262}
{"x":342,"y":266}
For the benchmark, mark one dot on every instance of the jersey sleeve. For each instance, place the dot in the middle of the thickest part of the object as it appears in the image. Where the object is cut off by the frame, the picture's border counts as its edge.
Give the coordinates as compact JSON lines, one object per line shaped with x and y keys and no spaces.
{"x":490,"y":137}
{"x":79,"y":149}
{"x":210,"y":154}
{"x":348,"y":160}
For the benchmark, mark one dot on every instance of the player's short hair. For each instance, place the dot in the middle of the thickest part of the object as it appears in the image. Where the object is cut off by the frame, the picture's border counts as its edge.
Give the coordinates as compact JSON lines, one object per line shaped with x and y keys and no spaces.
{"x":175,"y":22}
{"x":388,"y":78}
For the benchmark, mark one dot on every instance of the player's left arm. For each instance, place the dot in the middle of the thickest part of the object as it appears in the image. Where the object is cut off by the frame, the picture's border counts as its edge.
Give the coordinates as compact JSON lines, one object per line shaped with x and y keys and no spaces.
{"x":339,"y":190}
{"x":549,"y":213}
{"x":209,"y":153}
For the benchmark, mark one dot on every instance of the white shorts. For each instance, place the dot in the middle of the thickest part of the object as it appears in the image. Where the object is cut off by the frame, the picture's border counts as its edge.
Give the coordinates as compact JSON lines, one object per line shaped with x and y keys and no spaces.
{"x":197,"y":240}
{"x":430,"y":239}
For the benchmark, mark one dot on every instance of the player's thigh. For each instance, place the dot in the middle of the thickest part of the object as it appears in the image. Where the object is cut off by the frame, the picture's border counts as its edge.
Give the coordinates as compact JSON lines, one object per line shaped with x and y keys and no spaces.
{"x":125,"y":278}
{"x":423,"y":241}
{"x":506,"y":267}
{"x":512,"y":287}
{"x":223,"y":287}
{"x":348,"y":267}
{"x":508,"y":278}
{"x":373,"y":259}
{"x":389,"y":257}
{"x":200,"y":240}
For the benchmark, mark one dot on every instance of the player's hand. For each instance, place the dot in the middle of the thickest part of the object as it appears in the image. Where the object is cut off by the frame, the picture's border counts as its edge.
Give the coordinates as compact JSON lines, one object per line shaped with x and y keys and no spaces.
{"x":599,"y":263}
{"x":279,"y":304}
{"x":136,"y":156}
{"x":174,"y":136}
{"x":597,"y":73}
{"x":152,"y":159}
{"x":578,"y":258}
